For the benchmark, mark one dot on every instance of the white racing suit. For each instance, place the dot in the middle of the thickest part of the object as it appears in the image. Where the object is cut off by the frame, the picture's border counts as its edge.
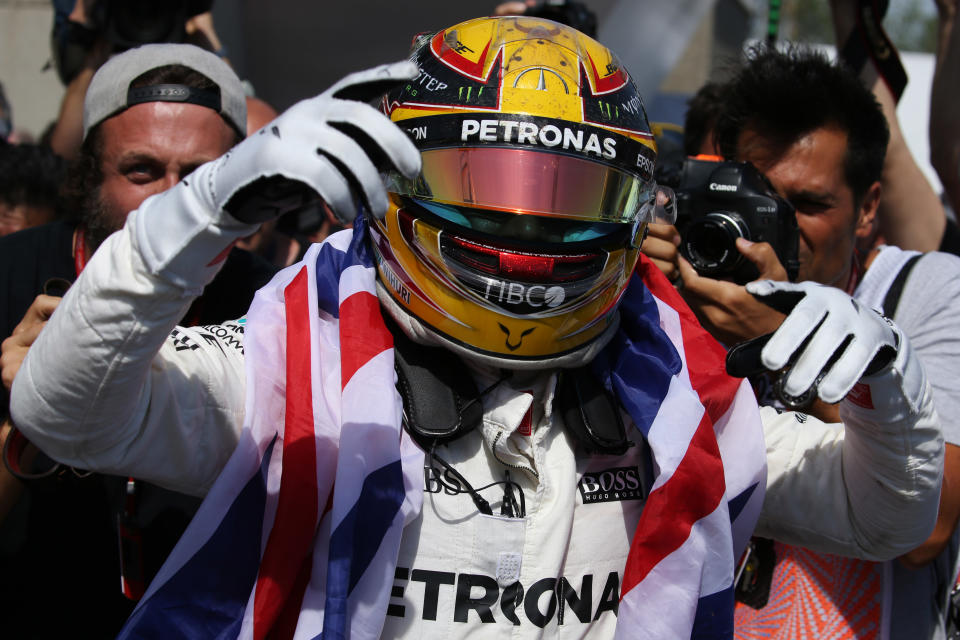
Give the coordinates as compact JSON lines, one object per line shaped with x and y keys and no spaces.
{"x":166,"y":404}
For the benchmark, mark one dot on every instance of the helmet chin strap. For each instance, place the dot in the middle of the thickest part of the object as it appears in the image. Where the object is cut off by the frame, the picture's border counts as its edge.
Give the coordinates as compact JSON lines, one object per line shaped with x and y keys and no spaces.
{"x":416,"y":331}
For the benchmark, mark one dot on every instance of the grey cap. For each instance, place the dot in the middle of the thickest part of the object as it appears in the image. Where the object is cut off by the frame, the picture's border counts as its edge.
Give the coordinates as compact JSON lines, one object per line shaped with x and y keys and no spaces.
{"x":109,"y":92}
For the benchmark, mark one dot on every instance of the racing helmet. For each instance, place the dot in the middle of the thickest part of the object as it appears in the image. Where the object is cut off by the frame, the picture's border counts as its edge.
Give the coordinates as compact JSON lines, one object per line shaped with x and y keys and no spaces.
{"x":516,"y":242}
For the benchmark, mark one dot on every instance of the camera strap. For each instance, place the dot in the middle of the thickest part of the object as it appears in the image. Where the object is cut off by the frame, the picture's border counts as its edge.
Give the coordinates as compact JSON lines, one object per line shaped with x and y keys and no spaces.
{"x":868,"y":41}
{"x":892,"y":298}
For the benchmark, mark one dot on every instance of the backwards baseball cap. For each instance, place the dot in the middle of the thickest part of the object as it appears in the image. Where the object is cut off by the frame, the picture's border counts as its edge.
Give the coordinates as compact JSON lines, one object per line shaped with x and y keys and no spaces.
{"x":110,"y":92}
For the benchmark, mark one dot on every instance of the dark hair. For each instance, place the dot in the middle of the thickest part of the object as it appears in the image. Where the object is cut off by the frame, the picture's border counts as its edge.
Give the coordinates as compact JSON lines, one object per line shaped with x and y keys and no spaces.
{"x":784,"y":95}
{"x":85,"y":174}
{"x":703,"y":109}
{"x":31,"y":175}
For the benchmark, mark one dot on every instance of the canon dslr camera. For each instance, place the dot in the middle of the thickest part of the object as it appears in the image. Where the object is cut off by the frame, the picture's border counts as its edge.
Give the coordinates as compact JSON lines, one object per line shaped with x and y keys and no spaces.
{"x":718,"y":202}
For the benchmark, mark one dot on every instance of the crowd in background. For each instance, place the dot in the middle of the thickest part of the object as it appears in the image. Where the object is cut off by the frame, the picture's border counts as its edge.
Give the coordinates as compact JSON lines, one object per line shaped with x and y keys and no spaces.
{"x":60,"y":527}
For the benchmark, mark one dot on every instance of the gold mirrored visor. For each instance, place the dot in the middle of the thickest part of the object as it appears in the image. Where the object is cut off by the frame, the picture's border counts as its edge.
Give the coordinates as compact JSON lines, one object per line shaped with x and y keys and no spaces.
{"x":533,"y":181}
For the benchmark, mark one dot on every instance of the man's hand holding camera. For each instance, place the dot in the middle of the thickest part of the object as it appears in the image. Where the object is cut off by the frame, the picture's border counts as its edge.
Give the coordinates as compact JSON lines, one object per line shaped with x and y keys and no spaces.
{"x":735,"y":228}
{"x":726,"y":309}
{"x":662,"y":246}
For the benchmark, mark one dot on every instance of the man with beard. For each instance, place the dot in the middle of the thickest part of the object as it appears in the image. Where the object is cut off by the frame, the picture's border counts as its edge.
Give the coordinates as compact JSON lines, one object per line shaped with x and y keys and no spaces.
{"x":184,"y":107}
{"x":129,"y":154}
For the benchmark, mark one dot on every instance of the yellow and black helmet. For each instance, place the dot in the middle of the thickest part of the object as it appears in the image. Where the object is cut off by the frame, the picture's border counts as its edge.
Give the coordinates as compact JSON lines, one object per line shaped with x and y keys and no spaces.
{"x":517,"y":240}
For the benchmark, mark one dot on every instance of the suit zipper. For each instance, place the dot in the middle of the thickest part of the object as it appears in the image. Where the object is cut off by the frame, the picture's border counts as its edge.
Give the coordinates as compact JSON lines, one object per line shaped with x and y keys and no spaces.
{"x":530,"y":470}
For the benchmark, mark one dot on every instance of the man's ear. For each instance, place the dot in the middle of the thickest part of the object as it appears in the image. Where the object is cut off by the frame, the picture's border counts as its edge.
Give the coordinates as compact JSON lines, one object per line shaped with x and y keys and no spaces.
{"x":867,"y":212}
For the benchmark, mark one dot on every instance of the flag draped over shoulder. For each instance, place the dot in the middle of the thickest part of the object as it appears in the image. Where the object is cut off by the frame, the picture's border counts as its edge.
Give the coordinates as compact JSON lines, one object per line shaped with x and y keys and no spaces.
{"x":705,"y":433}
{"x":299,"y":536}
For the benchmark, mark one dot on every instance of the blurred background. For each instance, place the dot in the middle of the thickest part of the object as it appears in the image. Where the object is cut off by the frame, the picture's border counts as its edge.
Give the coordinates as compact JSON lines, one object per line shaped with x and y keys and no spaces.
{"x":291,"y":49}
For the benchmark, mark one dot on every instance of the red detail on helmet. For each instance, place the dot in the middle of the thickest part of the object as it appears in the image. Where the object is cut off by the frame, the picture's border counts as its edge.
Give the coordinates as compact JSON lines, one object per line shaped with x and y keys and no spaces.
{"x":405,"y":223}
{"x":416,"y":38}
{"x":610,"y":83}
{"x":523,"y":266}
{"x":452,"y":58}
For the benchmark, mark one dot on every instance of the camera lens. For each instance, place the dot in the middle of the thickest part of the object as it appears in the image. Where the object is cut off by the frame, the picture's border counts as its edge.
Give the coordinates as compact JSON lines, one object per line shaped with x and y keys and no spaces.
{"x":710,"y":242}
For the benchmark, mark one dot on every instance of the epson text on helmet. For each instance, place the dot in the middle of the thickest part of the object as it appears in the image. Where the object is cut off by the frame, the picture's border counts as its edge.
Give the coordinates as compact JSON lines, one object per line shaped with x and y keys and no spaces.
{"x":645,"y":164}
{"x":522,"y":132}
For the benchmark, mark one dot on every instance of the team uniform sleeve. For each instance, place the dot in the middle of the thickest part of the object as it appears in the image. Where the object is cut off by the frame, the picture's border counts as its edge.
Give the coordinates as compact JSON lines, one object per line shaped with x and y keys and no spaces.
{"x":112,"y":384}
{"x":866,"y":488}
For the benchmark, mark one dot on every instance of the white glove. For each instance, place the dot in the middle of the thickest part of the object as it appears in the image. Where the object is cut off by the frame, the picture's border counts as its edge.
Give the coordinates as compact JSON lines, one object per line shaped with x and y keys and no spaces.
{"x":331,"y":144}
{"x":829,"y":340}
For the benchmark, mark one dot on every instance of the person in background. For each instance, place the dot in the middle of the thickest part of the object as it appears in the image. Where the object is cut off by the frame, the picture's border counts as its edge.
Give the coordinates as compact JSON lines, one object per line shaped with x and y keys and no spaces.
{"x":819,"y":136}
{"x":908,"y":598}
{"x":150,"y":118}
{"x":701,"y":120}
{"x":944,"y":127}
{"x":31,"y":180}
{"x":910,"y":215}
{"x":87,"y":33}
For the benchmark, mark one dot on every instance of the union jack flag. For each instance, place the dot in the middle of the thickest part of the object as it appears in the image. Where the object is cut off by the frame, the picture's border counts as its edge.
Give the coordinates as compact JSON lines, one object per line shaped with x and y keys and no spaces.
{"x":298,"y":538}
{"x":704,"y":430}
{"x":274,"y":549}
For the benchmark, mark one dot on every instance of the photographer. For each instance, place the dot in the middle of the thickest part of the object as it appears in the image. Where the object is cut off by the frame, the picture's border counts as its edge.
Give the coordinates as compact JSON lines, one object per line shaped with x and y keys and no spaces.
{"x":820,"y":138}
